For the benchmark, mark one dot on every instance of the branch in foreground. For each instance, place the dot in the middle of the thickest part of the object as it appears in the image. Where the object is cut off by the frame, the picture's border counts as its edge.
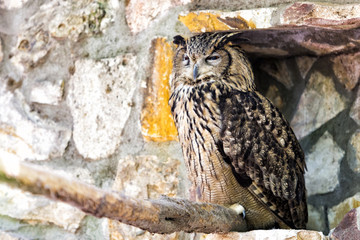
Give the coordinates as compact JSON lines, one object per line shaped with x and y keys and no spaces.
{"x":165,"y":215}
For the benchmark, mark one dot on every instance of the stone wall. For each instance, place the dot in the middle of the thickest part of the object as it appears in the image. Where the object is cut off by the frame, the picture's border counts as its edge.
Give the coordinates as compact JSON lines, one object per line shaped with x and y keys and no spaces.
{"x":84,"y":91}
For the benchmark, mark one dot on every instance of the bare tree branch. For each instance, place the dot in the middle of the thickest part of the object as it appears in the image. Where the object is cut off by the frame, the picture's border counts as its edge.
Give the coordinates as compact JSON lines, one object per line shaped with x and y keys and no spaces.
{"x":165,"y":215}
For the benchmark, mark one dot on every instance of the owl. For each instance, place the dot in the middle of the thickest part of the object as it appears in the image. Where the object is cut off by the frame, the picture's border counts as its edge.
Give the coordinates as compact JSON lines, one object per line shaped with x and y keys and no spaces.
{"x":237,"y":146}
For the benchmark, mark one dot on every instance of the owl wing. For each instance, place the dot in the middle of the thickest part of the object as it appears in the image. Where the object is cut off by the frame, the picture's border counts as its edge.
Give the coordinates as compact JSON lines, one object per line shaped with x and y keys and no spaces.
{"x":265,"y":155}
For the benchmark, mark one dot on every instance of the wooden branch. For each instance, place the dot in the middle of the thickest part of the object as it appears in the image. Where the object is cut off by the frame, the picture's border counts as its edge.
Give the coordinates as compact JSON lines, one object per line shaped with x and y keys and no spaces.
{"x":165,"y":215}
{"x":302,"y":40}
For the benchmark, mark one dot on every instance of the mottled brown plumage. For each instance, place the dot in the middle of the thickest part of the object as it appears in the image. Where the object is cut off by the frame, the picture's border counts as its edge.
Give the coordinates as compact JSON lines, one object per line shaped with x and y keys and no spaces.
{"x":237,"y":146}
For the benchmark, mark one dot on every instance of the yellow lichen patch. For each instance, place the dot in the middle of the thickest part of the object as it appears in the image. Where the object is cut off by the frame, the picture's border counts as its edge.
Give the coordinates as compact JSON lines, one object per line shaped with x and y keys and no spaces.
{"x":157,"y":123}
{"x":214,"y":21}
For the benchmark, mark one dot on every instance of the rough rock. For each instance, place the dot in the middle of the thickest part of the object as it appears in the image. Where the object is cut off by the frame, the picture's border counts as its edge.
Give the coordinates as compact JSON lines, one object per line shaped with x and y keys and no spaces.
{"x":323,"y":164}
{"x":7,"y":236}
{"x":139,"y":14}
{"x":319,"y":14}
{"x":1,"y":53}
{"x":23,"y":134}
{"x":337,"y":213}
{"x":279,"y":70}
{"x":12,"y":4}
{"x":316,"y":218}
{"x":276,"y":234}
{"x":212,"y":20}
{"x":349,"y":227}
{"x":355,"y":109}
{"x":304,"y":64}
{"x":144,"y":177}
{"x":353,"y":150}
{"x":347,"y":69}
{"x":100,"y":100}
{"x":157,"y":123}
{"x":58,"y":20}
{"x":47,"y":92}
{"x":319,"y":103}
{"x":36,"y":209}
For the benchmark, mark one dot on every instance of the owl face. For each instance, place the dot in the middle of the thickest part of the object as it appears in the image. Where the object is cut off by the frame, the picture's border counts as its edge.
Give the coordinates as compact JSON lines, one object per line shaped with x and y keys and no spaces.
{"x":207,"y":58}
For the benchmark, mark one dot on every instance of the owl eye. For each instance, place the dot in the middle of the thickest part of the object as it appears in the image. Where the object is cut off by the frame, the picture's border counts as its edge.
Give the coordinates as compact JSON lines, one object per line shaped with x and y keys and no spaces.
{"x":213,"y":58}
{"x":186,"y":60}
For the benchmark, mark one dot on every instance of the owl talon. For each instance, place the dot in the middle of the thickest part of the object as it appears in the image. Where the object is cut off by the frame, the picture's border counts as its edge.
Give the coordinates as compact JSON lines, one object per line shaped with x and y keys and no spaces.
{"x":239,"y":209}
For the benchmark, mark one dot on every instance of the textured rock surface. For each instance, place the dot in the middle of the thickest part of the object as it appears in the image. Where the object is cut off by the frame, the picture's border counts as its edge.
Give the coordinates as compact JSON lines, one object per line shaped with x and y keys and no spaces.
{"x":205,"y":21}
{"x":323,"y":163}
{"x":319,"y":14}
{"x":157,"y":123}
{"x":279,"y":70}
{"x":354,"y":152}
{"x":347,"y":69}
{"x":316,"y":218}
{"x":38,"y":210}
{"x":319,"y":103}
{"x":1,"y":53}
{"x":161,"y":179}
{"x":100,"y":100}
{"x":355,"y":109}
{"x":268,"y":234}
{"x":337,"y":212}
{"x":139,"y":14}
{"x":12,"y":4}
{"x":304,"y":64}
{"x":23,"y":134}
{"x":349,"y":227}
{"x":46,"y":92}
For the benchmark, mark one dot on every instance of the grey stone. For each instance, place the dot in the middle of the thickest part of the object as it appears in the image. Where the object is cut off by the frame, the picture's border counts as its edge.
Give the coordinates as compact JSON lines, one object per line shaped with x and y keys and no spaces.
{"x":319,"y":103}
{"x":25,"y":135}
{"x":316,"y":218}
{"x":1,"y":53}
{"x":12,"y":4}
{"x":323,"y":164}
{"x":139,"y":14}
{"x":58,"y":20}
{"x":353,"y":155}
{"x":47,"y":92}
{"x":35,"y":209}
{"x":100,"y":97}
{"x":355,"y":109}
{"x":304,"y":64}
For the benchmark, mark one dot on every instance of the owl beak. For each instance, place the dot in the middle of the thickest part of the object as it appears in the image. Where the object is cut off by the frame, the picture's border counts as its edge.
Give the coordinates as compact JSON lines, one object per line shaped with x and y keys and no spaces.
{"x":195,"y":71}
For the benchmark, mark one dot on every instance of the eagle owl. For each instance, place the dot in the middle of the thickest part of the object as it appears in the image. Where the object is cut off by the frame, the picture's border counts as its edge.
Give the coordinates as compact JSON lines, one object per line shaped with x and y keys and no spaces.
{"x":238,"y":147}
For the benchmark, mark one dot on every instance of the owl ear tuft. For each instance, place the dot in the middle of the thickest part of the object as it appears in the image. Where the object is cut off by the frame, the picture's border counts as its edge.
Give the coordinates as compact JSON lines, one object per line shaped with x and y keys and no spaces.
{"x":179,"y":40}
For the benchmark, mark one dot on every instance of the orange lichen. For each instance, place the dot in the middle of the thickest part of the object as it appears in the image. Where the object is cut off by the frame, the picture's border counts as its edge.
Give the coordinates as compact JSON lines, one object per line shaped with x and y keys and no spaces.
{"x":209,"y":22}
{"x":157,"y":123}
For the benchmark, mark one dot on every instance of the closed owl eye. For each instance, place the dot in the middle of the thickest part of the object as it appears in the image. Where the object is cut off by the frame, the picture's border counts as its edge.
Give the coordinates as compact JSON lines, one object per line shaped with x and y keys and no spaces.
{"x":186,"y":60}
{"x":213,"y":59}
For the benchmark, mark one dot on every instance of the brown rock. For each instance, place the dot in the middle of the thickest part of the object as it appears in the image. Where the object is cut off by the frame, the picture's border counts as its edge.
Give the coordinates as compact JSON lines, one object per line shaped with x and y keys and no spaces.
{"x":320,"y":14}
{"x":349,"y":227}
{"x":304,"y":64}
{"x":347,"y":69}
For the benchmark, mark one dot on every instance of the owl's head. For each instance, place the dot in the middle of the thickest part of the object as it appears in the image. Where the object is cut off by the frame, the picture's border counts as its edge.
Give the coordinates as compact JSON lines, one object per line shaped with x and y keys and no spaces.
{"x":211,"y":57}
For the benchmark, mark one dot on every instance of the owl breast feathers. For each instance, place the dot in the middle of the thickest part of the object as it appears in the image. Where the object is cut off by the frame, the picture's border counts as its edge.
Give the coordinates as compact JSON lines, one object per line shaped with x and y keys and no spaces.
{"x":237,"y":146}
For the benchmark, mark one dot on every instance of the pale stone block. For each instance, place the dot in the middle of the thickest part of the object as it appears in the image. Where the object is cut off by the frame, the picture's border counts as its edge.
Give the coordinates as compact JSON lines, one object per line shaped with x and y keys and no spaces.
{"x":100,"y":100}
{"x":319,"y":103}
{"x":46,"y":92}
{"x":323,"y":164}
